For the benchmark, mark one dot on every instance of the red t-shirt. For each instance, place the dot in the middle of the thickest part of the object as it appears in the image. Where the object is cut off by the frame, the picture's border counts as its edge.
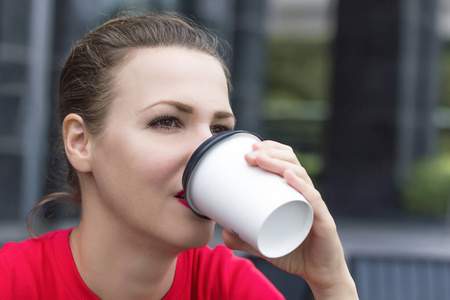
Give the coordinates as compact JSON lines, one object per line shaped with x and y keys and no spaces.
{"x":43,"y":268}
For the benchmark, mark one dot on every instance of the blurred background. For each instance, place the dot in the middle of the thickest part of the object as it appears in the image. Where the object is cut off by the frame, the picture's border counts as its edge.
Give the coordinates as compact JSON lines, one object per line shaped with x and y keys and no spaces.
{"x":358,"y":89}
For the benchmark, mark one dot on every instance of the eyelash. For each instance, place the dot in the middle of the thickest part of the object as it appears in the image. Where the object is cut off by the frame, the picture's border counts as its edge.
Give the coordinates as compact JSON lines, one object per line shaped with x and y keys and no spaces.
{"x":223,"y":126}
{"x":155,"y":123}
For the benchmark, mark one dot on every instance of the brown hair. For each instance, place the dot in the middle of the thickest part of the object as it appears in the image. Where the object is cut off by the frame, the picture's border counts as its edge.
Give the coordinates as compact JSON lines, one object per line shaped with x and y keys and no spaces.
{"x":87,"y":78}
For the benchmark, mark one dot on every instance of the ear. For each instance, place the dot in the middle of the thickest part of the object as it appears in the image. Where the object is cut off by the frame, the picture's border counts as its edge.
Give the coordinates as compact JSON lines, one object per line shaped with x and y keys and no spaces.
{"x":77,"y":143}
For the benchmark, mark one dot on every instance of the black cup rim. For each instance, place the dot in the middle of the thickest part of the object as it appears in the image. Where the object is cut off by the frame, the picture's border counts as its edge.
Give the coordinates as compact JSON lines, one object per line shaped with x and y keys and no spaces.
{"x":198,"y":154}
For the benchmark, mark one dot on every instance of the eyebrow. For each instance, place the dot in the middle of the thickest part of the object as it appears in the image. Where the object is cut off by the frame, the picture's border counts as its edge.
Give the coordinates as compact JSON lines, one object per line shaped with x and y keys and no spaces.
{"x":224,"y":115}
{"x":189,"y":109}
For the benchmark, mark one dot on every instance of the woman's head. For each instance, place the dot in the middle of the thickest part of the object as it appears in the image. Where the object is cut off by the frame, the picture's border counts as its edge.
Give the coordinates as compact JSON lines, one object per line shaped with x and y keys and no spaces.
{"x":87,"y":82}
{"x":167,"y":101}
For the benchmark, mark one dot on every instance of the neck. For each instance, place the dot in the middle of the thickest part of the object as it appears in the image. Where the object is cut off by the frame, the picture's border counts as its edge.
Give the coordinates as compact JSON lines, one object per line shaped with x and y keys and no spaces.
{"x":116,"y":264}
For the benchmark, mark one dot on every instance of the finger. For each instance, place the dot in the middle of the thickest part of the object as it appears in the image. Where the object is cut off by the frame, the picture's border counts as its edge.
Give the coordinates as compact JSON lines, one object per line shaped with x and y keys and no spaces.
{"x":279,"y":167}
{"x":235,"y":243}
{"x":251,"y":158}
{"x":321,"y":213}
{"x":264,"y":147}
{"x":271,"y":144}
{"x":281,"y":154}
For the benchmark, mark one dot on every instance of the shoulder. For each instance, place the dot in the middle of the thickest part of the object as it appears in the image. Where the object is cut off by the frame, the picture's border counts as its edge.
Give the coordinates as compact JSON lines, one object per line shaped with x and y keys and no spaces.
{"x":24,"y":265}
{"x":31,"y":249}
{"x":15,"y":254}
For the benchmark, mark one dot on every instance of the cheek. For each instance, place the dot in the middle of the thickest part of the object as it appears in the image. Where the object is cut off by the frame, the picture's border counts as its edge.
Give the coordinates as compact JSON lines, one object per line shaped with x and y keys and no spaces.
{"x":137,"y":159}
{"x":158,"y":166}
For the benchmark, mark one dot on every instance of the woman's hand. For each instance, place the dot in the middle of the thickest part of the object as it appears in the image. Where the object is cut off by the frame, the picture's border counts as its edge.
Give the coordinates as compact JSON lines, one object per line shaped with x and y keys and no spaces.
{"x":320,"y":258}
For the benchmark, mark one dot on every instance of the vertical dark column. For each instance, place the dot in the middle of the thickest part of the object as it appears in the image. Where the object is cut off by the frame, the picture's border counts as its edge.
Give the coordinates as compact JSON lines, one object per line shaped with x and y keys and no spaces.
{"x":383,"y":86}
{"x":361,"y":131}
{"x":248,"y":64}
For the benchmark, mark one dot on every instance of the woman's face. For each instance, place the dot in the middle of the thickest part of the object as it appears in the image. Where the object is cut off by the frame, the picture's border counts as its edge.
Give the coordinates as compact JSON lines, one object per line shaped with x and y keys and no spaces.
{"x":168,"y":101}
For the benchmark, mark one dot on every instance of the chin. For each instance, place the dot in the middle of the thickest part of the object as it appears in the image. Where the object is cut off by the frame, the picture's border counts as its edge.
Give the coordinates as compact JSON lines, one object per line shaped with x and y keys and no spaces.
{"x":199,"y":237}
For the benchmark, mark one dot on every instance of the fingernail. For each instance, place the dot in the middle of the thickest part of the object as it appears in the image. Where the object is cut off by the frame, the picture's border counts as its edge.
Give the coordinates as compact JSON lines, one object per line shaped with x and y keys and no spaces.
{"x":257,"y":146}
{"x":251,"y":155}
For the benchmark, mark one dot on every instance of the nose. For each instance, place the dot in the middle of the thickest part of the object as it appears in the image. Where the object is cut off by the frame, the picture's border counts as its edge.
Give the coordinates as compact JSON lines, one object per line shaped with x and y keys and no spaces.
{"x":197,"y":138}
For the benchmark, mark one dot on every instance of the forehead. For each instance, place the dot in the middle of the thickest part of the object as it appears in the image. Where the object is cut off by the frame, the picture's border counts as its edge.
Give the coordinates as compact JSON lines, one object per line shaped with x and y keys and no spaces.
{"x":171,"y":73}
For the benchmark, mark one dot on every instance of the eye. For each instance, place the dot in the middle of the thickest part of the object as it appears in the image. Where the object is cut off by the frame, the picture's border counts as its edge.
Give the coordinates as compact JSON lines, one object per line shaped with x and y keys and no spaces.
{"x":220,"y":128}
{"x":165,"y":122}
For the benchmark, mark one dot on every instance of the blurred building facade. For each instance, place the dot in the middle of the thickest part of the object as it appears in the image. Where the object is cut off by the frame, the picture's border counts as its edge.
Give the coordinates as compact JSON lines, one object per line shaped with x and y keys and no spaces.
{"x":384,"y":105}
{"x":35,"y":37}
{"x":381,"y":112}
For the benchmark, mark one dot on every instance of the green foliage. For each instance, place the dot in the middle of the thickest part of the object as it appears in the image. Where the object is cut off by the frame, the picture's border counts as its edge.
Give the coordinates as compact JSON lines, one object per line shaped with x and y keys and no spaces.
{"x":298,"y":69}
{"x":297,"y":93}
{"x":427,"y":192}
{"x":312,"y":162}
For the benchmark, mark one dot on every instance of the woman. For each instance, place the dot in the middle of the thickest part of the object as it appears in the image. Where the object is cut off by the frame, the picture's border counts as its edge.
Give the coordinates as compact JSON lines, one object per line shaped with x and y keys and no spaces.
{"x":137,"y":96}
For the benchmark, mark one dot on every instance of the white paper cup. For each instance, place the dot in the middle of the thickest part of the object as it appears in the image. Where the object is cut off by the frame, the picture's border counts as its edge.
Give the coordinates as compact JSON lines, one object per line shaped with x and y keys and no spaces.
{"x":258,"y":206}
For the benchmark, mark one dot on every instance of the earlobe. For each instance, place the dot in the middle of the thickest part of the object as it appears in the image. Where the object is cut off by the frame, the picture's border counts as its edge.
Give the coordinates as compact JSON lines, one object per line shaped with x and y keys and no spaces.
{"x":77,"y":142}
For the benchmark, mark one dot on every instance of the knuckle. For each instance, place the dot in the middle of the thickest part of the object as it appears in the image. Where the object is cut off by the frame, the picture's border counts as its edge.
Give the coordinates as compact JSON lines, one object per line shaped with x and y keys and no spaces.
{"x":316,"y":194}
{"x":301,"y":172}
